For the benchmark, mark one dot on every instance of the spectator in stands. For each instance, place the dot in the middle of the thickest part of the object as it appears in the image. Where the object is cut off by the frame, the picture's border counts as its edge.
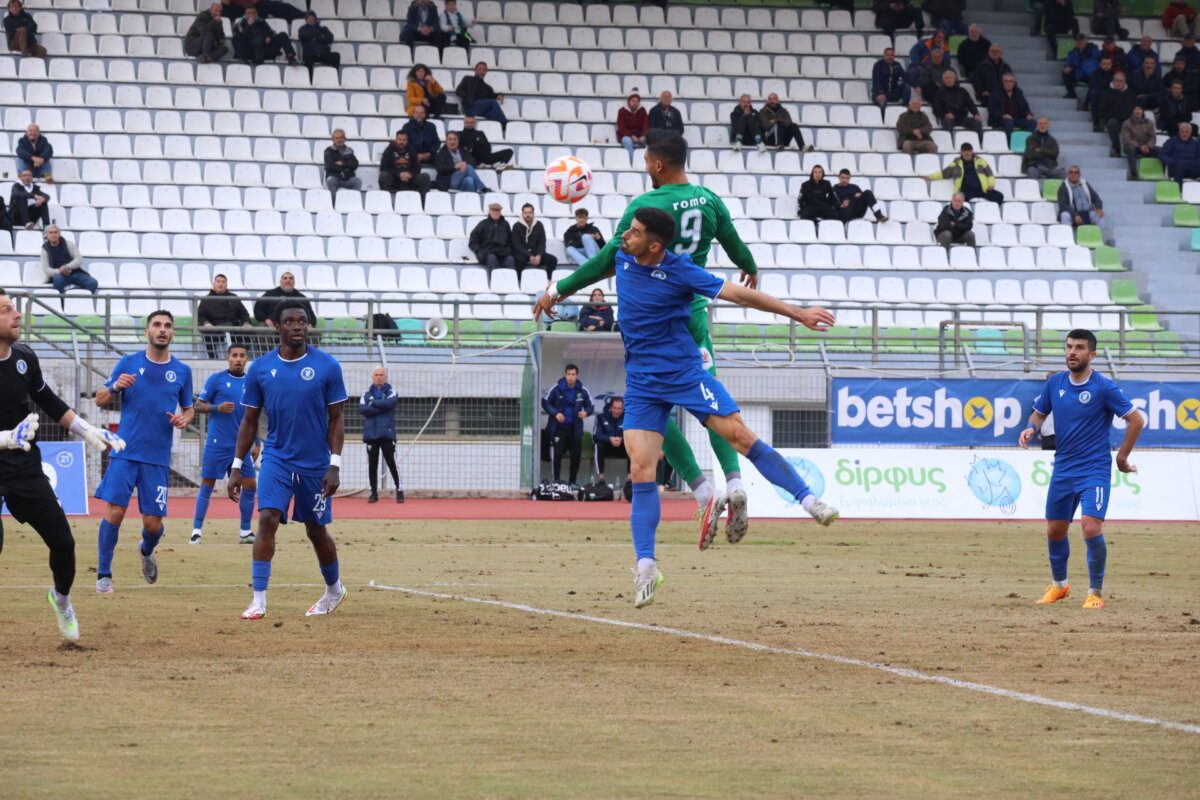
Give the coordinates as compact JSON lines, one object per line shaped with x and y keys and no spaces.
{"x":423,"y":136}
{"x":1181,"y":154}
{"x":1081,"y":63}
{"x":1040,"y":159}
{"x":932,"y":77}
{"x":1100,"y":80}
{"x":205,"y":39}
{"x":20,"y":31}
{"x":889,"y":83}
{"x":1189,"y":51}
{"x":597,"y":315}
{"x":972,"y":50}
{"x":421,"y":25}
{"x":221,"y":308}
{"x":1116,"y":106}
{"x":1008,"y":109}
{"x":953,"y":106}
{"x":1059,"y":18}
{"x":340,"y":165}
{"x":608,"y":433}
{"x":665,"y":116}
{"x":853,"y":202}
{"x":954,"y":223}
{"x":6,"y":223}
{"x":583,"y":239}
{"x":817,"y":200}
{"x":568,"y":404}
{"x":1120,"y":59}
{"x":1174,"y":109}
{"x":745,"y":126}
{"x":491,"y":241}
{"x":28,"y":204}
{"x":633,"y":123}
{"x":896,"y":15}
{"x":255,"y":42}
{"x":264,"y":308}
{"x":378,"y":408}
{"x":529,"y":243}
{"x":425,"y":92}
{"x":1144,"y":49}
{"x":1178,"y":18}
{"x":913,"y":130}
{"x":1106,"y":19}
{"x":264,"y":8}
{"x":778,"y":129}
{"x":475,"y":142}
{"x":988,"y":75}
{"x":1078,"y":203}
{"x":400,"y":168}
{"x":1146,"y":82}
{"x":919,"y":53}
{"x":947,"y":15}
{"x":455,"y":30}
{"x":972,"y":176}
{"x":1140,"y":140}
{"x":316,"y":43}
{"x":1188,"y":79}
{"x":63,"y":265}
{"x":478,"y":98}
{"x":34,"y":152}
{"x":456,"y":168}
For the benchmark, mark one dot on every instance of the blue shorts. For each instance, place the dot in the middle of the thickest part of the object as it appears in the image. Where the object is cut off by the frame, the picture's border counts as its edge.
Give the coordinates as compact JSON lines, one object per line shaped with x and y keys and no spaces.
{"x":278,"y":487}
{"x":650,"y":398}
{"x":1089,"y":494}
{"x":125,"y":475}
{"x":217,"y":461}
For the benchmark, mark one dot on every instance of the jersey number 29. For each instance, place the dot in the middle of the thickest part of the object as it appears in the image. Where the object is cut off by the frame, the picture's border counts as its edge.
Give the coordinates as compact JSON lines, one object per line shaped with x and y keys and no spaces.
{"x":690,"y":223}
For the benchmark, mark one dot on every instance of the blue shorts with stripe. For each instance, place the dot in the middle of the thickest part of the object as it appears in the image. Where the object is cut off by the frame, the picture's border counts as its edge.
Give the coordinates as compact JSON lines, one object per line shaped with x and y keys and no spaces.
{"x":124,"y":475}
{"x":281,"y":489}
{"x":650,"y":398}
{"x":1089,"y":494}
{"x":217,"y":461}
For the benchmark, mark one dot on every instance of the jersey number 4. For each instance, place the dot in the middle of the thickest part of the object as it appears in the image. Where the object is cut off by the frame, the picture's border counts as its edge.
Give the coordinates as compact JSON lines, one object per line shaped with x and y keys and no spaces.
{"x":709,"y":397}
{"x":690,"y":224}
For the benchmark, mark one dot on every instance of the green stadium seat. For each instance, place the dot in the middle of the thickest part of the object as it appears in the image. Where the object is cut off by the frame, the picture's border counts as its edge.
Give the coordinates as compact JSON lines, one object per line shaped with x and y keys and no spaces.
{"x":1014,"y":342}
{"x":1167,"y":344}
{"x":722,"y":336}
{"x":1089,"y":236}
{"x":1187,"y":216}
{"x":411,"y":331}
{"x":563,"y":327}
{"x":1065,"y":45}
{"x":527,"y":326}
{"x":1052,"y":343}
{"x":954,"y":41}
{"x":95,"y":324}
{"x":898,"y":340}
{"x":1108,"y":259}
{"x":779,"y":337}
{"x":1167,"y":192}
{"x":989,"y":342}
{"x":1124,"y":293}
{"x":501,"y":331}
{"x":1110,"y":340}
{"x":807,"y":341}
{"x":345,"y":329}
{"x":470,"y":332}
{"x":747,"y":336}
{"x":1017,"y":142}
{"x":1143,"y":318}
{"x":842,"y":339}
{"x":1151,"y":169}
{"x":55,"y":329}
{"x":1137,"y":343}
{"x":1050,"y":189}
{"x":927,"y":340}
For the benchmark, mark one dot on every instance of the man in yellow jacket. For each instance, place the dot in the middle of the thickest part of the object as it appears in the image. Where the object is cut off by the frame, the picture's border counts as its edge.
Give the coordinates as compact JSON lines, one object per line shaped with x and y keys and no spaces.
{"x":971,"y":175}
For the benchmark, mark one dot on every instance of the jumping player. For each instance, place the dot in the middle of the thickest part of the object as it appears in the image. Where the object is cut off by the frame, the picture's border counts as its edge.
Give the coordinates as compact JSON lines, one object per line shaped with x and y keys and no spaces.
{"x":23,"y":484}
{"x":151,"y":385}
{"x":664,"y":369}
{"x":222,"y":397}
{"x":699,"y":216}
{"x":1083,"y":402}
{"x":301,"y":390}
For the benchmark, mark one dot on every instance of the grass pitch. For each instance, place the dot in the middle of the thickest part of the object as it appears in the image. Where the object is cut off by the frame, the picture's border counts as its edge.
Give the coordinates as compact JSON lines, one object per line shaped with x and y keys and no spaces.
{"x":401,"y":696}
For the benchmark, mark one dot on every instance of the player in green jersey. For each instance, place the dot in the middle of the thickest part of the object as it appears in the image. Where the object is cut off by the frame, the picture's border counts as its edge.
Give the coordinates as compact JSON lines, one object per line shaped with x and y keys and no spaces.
{"x":700,"y":216}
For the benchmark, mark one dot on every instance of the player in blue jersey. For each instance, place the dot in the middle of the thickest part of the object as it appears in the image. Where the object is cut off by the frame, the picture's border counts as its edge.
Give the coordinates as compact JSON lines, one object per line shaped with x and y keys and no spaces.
{"x":156,"y":397}
{"x":302,"y":392}
{"x":222,"y":397}
{"x":664,"y":368}
{"x":1084,"y":403}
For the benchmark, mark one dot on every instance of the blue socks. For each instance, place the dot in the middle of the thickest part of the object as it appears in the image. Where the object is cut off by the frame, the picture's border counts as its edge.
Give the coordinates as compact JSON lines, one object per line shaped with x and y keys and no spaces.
{"x":151,"y":540}
{"x":644,"y":516}
{"x":246,"y":507}
{"x":329,"y":572}
{"x":777,"y":469}
{"x":1097,"y":555}
{"x":106,"y":544}
{"x":202,"y":499}
{"x":260,"y":575}
{"x":1059,"y":553}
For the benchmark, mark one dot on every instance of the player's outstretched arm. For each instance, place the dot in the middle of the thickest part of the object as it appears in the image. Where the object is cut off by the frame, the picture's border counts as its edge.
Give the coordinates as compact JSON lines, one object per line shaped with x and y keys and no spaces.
{"x":1134,"y":422}
{"x":815,"y":318}
{"x":99,"y":438}
{"x":1035,"y":424}
{"x":245,"y":438}
{"x":337,"y":438}
{"x":594,"y":270}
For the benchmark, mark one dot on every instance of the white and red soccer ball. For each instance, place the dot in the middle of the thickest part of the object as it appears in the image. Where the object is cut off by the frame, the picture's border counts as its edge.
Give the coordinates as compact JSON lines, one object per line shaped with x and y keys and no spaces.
{"x":568,"y":179}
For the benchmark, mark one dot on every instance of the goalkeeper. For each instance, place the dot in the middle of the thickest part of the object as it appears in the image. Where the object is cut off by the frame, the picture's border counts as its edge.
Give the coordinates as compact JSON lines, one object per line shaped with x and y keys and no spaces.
{"x":23,"y":484}
{"x":700,"y":216}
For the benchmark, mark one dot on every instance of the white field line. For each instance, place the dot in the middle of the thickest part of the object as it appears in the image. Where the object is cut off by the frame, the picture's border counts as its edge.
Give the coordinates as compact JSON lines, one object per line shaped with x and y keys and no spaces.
{"x":903,"y":672}
{"x":245,"y":585}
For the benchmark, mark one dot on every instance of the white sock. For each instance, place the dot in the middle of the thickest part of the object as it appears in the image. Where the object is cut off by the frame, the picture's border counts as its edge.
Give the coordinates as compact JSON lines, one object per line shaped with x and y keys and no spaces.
{"x":703,"y":493}
{"x":260,"y":598}
{"x":808,"y":502}
{"x":734,"y":485}
{"x":336,"y":590}
{"x":647,"y":565}
{"x":1059,"y":584}
{"x":197,"y":531}
{"x":247,"y":533}
{"x":62,"y":600}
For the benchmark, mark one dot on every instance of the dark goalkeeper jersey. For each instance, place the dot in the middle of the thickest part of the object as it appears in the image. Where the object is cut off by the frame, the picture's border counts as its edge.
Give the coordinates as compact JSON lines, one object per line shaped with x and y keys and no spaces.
{"x":21,"y":381}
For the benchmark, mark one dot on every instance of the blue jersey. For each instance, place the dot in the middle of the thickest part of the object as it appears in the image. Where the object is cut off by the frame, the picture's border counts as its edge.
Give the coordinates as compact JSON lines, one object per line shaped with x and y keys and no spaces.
{"x":655,"y":308}
{"x":1082,"y":419}
{"x":159,"y":390}
{"x":296,"y":396}
{"x":224,"y":387}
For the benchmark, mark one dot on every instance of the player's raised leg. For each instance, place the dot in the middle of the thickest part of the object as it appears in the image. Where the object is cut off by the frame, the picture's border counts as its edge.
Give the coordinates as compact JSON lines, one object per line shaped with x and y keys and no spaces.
{"x":710,"y":503}
{"x":643,"y":447}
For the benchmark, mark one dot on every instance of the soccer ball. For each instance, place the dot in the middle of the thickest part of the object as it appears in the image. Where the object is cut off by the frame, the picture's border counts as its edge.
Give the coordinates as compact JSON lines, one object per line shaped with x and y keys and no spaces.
{"x":568,"y":179}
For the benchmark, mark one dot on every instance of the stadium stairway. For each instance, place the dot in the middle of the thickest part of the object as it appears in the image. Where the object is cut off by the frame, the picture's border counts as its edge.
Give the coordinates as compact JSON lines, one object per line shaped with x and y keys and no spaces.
{"x":1159,"y":255}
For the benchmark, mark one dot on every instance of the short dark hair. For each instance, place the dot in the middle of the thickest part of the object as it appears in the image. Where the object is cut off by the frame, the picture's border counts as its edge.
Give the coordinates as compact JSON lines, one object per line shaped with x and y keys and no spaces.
{"x":219,"y":275}
{"x":162,"y":312}
{"x":667,"y":146}
{"x":843,"y":171}
{"x":579,"y":211}
{"x":288,"y":305}
{"x":527,"y":205}
{"x":570,"y":367}
{"x":1084,"y":333}
{"x":233,"y":347}
{"x":658,"y":223}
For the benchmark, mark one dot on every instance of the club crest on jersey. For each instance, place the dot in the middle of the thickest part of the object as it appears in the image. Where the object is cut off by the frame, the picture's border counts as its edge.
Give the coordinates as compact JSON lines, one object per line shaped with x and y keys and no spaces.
{"x":171,"y":376}
{"x":659,"y":274}
{"x":308,"y":373}
{"x":1085,"y":397}
{"x":21,"y":366}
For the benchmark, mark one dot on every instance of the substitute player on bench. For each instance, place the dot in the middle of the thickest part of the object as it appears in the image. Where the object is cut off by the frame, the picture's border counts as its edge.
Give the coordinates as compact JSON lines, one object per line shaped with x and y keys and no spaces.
{"x":302,"y":392}
{"x":1083,"y":402}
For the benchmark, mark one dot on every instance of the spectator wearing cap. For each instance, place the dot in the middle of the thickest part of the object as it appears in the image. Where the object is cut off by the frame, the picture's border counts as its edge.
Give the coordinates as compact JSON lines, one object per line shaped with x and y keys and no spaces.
{"x":1058,"y":19}
{"x":1110,"y":48}
{"x":479,"y":99}
{"x":1008,"y":109}
{"x":889,"y":81}
{"x":913,"y":130}
{"x":972,"y":176}
{"x":316,"y":44}
{"x":1082,"y":61}
{"x":953,"y":106}
{"x":1078,"y":202}
{"x":491,"y":241}
{"x":1178,"y":18}
{"x":1040,"y":159}
{"x":1139,"y":140}
{"x":1106,"y":19}
{"x":633,"y":123}
{"x":583,"y":240}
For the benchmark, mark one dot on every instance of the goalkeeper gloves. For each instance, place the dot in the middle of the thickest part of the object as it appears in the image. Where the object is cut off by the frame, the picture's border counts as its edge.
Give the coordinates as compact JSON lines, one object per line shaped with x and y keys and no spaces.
{"x":20,"y":436}
{"x":99,"y":438}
